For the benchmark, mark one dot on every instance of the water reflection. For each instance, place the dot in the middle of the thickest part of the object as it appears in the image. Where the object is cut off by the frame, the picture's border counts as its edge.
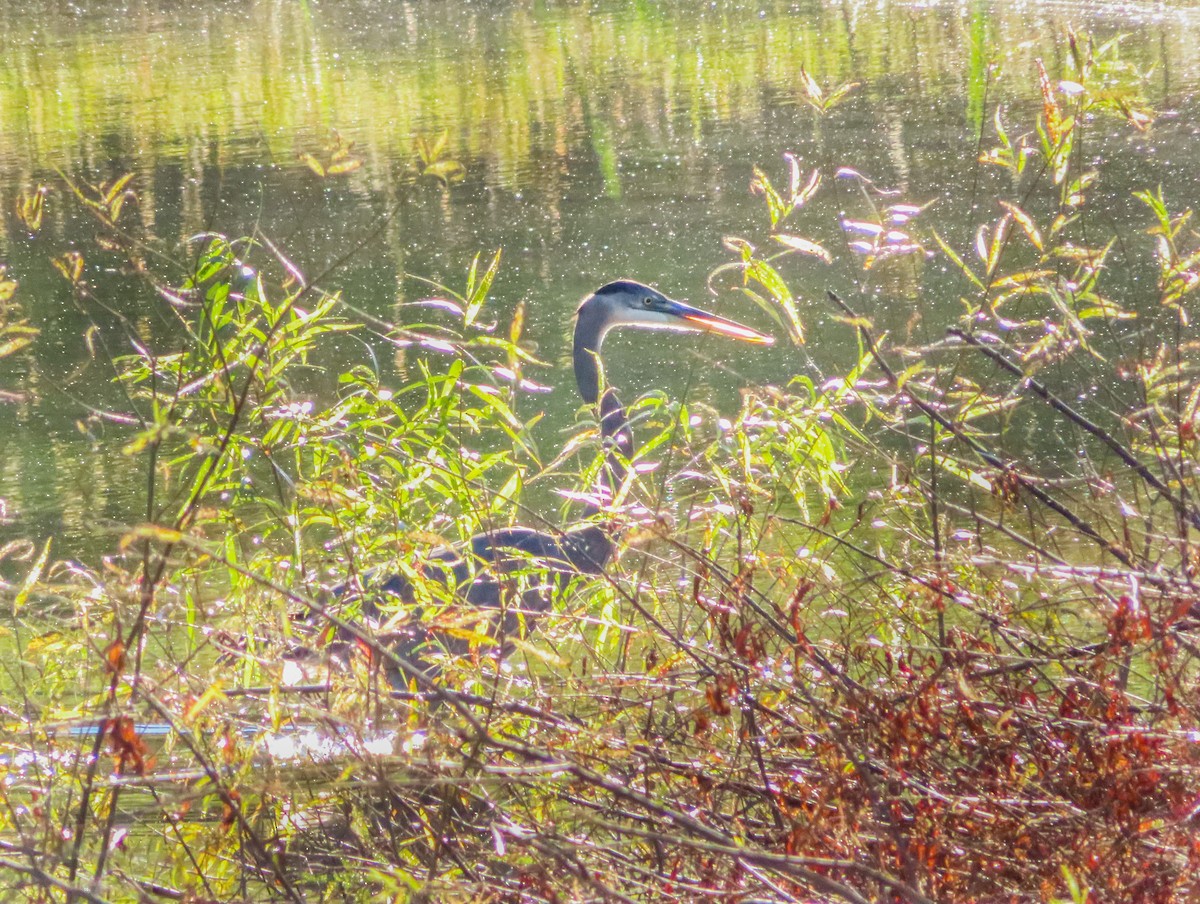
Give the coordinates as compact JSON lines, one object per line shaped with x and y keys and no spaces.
{"x":600,"y":140}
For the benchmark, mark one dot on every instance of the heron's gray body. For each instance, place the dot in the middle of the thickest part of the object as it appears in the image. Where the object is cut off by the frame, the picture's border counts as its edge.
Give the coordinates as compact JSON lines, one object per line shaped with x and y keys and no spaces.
{"x":515,"y":571}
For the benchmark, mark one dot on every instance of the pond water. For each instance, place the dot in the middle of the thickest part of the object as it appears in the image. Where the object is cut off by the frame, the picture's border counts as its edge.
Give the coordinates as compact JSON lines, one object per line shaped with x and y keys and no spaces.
{"x":599,"y":140}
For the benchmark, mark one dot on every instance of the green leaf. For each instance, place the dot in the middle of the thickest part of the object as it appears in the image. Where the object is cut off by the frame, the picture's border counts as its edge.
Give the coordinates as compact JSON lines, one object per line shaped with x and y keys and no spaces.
{"x":769,"y":278}
{"x":445,"y":171}
{"x":313,"y":164}
{"x":776,"y":208}
{"x":155,"y":533}
{"x":31,"y":579}
{"x":116,"y":188}
{"x":343,"y":166}
{"x":15,"y":337}
{"x":477,"y":289}
{"x":958,"y":262}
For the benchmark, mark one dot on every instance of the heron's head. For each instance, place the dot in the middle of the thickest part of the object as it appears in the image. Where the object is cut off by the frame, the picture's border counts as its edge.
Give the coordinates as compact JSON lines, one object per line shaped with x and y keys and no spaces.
{"x":629,"y":303}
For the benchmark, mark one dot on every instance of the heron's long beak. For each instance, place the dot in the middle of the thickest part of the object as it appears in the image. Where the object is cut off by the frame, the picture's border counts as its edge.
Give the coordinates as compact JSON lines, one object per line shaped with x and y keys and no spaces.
{"x":711,"y":323}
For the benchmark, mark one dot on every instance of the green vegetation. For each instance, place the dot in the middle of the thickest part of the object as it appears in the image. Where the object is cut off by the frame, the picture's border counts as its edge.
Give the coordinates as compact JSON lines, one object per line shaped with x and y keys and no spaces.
{"x":862,"y":642}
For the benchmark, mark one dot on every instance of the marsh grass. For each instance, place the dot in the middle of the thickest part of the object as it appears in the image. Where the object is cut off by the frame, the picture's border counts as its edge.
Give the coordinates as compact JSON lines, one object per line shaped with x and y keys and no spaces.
{"x":861,"y":643}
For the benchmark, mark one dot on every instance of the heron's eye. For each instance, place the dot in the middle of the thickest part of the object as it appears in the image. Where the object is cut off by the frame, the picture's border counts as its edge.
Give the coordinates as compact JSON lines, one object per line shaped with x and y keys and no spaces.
{"x":647,"y":301}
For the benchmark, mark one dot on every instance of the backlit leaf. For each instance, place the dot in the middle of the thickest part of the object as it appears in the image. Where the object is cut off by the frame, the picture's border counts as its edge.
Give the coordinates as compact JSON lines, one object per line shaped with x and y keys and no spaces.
{"x":958,"y":262}
{"x":803,"y":246}
{"x":31,"y":207}
{"x":8,"y":287}
{"x":156,"y":533}
{"x":70,"y":265}
{"x":445,"y":171}
{"x":31,"y":579}
{"x":1026,"y":223}
{"x":313,"y":164}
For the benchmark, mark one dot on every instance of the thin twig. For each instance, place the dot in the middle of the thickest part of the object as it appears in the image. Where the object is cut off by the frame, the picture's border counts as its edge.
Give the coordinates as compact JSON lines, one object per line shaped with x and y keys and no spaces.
{"x":1121,"y":451}
{"x":990,"y":457}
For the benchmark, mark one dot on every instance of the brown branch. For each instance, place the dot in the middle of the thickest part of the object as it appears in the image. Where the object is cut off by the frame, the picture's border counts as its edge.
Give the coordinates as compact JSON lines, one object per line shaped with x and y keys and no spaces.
{"x":45,"y":880}
{"x":1122,"y":452}
{"x":989,"y":457}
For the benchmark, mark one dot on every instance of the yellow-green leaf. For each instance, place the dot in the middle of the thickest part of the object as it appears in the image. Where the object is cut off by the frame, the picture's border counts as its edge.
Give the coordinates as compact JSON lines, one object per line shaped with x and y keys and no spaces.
{"x":70,"y":265}
{"x":313,"y":164}
{"x":117,"y":187}
{"x":1025,"y":221}
{"x":31,"y":206}
{"x":154,"y":532}
{"x":958,"y":262}
{"x":31,"y":579}
{"x":15,"y":337}
{"x":349,"y":165}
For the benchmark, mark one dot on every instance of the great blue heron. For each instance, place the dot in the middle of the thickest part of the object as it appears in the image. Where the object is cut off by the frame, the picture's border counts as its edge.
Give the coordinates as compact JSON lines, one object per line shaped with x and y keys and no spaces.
{"x":509,"y":576}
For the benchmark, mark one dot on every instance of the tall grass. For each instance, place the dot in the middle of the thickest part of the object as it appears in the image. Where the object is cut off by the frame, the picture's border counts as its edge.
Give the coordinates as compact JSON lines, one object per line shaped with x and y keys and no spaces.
{"x":863,"y":641}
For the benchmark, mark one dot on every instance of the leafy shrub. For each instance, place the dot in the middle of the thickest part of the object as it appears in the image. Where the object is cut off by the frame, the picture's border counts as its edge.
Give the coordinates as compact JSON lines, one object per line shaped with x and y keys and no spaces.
{"x":863,"y":646}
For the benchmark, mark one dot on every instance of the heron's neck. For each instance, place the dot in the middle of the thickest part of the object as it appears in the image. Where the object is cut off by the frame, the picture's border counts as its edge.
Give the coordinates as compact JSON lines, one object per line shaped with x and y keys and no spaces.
{"x":590,"y":329}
